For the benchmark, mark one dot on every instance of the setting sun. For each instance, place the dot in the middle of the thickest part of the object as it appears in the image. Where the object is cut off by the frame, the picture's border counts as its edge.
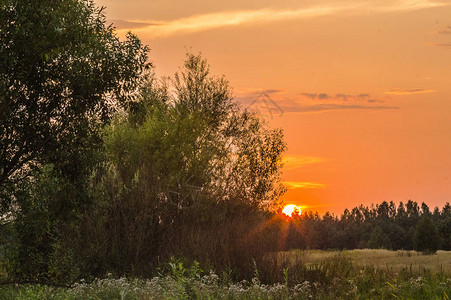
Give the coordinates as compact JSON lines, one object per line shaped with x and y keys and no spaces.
{"x":290,"y":209}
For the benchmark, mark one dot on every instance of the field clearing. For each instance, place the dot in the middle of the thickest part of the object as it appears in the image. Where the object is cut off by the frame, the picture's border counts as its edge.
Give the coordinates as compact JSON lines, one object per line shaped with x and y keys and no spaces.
{"x":382,"y":259}
{"x":315,"y":275}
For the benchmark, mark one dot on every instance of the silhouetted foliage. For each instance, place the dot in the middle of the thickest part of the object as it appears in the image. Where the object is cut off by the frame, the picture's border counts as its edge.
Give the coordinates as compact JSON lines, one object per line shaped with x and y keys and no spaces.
{"x":187,"y":173}
{"x":384,"y":225}
{"x":63,"y":74}
{"x":426,"y":239}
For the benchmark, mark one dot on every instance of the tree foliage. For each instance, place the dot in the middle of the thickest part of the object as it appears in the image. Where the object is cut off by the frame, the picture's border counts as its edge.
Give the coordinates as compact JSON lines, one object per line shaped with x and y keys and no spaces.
{"x":62,"y":73}
{"x":385,"y":225}
{"x":427,"y":238}
{"x":185,"y":159}
{"x":197,"y":143}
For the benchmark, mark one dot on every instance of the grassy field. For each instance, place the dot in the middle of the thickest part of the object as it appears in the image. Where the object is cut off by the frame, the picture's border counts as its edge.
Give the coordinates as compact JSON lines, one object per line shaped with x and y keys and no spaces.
{"x":356,"y":274}
{"x":397,"y":261}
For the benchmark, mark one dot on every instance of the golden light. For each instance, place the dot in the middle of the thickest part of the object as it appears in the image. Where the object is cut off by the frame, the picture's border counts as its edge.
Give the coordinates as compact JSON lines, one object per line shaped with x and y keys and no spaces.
{"x":290,"y":209}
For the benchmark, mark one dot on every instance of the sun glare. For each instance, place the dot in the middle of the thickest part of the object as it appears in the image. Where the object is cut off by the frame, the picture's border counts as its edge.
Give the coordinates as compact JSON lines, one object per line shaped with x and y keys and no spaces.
{"x":291,"y":209}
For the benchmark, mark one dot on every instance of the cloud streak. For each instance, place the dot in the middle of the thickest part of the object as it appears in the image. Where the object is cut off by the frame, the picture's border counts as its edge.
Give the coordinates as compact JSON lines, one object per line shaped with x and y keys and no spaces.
{"x":296,"y":161}
{"x":332,"y":106}
{"x":271,"y":105}
{"x":340,"y":97}
{"x":442,"y":45}
{"x":303,"y":185}
{"x":127,"y":25}
{"x":399,"y":92}
{"x":210,"y":21}
{"x":445,"y":30}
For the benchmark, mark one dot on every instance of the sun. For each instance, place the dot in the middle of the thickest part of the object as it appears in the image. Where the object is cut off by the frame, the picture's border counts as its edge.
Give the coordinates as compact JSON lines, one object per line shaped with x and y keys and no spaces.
{"x":291,"y":209}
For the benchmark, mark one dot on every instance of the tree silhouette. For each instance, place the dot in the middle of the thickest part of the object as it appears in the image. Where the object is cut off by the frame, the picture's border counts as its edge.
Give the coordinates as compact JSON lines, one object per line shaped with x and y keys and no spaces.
{"x":426,"y":239}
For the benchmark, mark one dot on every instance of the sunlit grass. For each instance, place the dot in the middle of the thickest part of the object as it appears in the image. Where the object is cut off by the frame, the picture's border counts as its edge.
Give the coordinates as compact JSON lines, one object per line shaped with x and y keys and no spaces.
{"x":378,"y":258}
{"x":312,"y":275}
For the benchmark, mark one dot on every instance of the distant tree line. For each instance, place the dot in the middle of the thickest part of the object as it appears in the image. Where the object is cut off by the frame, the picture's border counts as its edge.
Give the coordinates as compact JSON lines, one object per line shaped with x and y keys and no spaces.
{"x":386,"y":225}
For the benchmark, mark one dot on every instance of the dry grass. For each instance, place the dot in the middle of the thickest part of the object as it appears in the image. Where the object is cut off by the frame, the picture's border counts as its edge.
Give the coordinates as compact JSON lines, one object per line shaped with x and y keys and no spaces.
{"x":382,"y":259}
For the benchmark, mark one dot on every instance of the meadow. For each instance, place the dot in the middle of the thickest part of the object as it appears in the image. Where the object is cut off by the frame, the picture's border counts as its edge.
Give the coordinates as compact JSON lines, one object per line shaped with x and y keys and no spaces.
{"x":380,"y":259}
{"x":311,"y":274}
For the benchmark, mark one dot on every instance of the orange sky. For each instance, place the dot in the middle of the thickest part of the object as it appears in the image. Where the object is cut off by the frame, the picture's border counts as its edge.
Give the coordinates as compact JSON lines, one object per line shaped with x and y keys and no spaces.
{"x":361,"y":88}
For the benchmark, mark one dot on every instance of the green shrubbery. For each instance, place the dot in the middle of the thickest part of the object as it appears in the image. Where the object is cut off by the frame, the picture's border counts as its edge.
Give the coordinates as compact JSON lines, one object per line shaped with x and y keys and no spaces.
{"x":336,"y":279}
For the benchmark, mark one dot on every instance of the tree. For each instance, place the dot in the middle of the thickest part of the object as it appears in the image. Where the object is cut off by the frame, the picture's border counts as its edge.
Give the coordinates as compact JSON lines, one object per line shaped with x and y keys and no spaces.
{"x":249,"y":159}
{"x":426,"y":238}
{"x":62,"y":72}
{"x":444,"y":227}
{"x":425,"y":209}
{"x":378,"y":238}
{"x":187,"y":173}
{"x":201,"y":139}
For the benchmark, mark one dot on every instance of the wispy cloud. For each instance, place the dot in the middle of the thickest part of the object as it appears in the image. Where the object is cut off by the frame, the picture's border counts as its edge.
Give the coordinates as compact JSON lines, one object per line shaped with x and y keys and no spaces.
{"x":399,"y":92}
{"x":297,"y":161}
{"x":312,"y":96}
{"x":332,"y":106}
{"x":410,"y":5}
{"x":275,"y":104}
{"x":226,"y":19}
{"x":127,"y":25}
{"x":340,"y":97}
{"x":303,"y":185}
{"x":256,"y":91}
{"x":445,"y":30}
{"x":234,"y":18}
{"x":261,"y":102}
{"x":441,"y":45}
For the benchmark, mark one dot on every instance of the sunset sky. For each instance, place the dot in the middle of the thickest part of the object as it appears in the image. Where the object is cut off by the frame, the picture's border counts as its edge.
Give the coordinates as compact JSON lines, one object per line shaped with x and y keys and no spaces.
{"x":361,"y":88}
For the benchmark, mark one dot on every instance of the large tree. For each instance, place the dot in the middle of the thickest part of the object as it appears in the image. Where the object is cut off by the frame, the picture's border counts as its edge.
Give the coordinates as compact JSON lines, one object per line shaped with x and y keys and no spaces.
{"x":62,"y":71}
{"x":197,"y":136}
{"x":187,"y":173}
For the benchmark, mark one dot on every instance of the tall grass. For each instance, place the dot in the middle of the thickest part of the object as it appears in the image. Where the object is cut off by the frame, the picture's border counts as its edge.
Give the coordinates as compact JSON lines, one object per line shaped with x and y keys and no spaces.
{"x":337,"y":278}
